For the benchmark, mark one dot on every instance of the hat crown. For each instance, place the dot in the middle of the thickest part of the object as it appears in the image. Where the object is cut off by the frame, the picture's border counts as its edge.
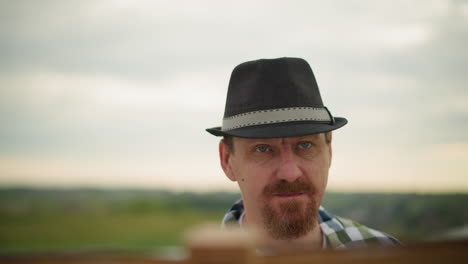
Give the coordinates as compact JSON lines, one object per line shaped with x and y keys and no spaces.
{"x":271,"y":84}
{"x":275,"y":98}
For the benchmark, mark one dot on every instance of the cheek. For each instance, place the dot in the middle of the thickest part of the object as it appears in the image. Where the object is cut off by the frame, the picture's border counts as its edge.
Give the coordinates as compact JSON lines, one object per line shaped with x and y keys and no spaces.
{"x":251,"y":193}
{"x":318,"y":174}
{"x":251,"y":181}
{"x":324,"y":180}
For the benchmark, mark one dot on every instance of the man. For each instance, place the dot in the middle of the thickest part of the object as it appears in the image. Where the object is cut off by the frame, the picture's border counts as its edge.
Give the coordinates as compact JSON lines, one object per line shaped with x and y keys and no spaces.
{"x":277,"y":147}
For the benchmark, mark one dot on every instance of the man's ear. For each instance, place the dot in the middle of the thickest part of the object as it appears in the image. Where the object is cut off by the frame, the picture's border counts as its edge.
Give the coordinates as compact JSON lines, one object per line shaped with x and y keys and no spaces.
{"x":225,"y":157}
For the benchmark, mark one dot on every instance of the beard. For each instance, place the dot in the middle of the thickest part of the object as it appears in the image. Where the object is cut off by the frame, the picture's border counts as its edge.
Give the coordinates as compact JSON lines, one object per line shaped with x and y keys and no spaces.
{"x":293,"y":219}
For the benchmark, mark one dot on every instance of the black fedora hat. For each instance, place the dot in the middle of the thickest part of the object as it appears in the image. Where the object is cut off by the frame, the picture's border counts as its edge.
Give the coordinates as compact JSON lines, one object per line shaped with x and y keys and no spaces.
{"x":271,"y":98}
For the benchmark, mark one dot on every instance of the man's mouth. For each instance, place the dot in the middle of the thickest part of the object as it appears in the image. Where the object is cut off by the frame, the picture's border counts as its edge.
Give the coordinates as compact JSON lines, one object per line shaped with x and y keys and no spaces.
{"x":288,"y":195}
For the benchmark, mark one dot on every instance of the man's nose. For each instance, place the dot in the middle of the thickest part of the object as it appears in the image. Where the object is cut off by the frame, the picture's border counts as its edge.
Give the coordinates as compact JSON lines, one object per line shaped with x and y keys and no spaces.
{"x":289,"y":167}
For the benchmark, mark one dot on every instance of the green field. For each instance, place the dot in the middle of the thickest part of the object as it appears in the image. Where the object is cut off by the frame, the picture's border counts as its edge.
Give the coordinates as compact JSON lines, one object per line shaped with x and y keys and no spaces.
{"x":38,"y":220}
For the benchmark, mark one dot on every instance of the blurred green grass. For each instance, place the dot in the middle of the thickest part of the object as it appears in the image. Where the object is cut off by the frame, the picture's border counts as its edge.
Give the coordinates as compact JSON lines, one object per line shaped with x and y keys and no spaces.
{"x":142,"y":221}
{"x":134,"y":231}
{"x":74,"y":220}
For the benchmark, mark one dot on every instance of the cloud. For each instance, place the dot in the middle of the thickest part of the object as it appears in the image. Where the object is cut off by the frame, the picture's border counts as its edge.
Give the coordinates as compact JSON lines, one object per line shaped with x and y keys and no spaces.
{"x":124,"y":79}
{"x":153,"y":39}
{"x":47,"y":113}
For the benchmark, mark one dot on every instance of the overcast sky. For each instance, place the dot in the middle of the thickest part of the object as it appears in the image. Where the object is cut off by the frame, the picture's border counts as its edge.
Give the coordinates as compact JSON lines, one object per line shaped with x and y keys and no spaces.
{"x":118,"y":93}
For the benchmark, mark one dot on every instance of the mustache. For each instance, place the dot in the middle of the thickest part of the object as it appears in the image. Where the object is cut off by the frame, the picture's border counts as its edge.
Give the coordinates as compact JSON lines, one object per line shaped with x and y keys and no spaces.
{"x":285,"y":187}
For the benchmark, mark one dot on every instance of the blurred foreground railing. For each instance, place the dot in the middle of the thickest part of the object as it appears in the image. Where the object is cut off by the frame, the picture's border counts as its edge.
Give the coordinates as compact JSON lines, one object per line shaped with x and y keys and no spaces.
{"x":210,"y":249}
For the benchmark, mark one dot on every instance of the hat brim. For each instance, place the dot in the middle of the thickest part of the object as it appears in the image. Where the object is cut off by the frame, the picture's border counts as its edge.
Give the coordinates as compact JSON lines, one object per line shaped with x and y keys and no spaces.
{"x":289,"y":129}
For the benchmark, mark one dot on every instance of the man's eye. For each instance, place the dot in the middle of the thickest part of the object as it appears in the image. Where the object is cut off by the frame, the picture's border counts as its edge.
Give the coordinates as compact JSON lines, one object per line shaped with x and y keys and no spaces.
{"x":305,"y":145}
{"x":262,"y":148}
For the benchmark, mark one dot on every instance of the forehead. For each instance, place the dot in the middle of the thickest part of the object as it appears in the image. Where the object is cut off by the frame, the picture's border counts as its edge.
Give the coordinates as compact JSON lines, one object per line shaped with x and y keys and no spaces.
{"x":313,"y":138}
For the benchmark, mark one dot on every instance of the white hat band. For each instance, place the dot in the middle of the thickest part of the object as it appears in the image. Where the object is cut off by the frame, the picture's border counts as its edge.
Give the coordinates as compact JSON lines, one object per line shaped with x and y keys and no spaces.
{"x":280,"y":115}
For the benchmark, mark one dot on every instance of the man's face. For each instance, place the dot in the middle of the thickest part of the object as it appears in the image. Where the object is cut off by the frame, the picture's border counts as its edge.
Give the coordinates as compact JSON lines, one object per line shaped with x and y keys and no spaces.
{"x":282,"y":180}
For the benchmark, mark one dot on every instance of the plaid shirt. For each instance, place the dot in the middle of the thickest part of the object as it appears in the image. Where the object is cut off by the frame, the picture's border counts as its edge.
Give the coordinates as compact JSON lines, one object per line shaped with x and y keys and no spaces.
{"x":337,"y":232}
